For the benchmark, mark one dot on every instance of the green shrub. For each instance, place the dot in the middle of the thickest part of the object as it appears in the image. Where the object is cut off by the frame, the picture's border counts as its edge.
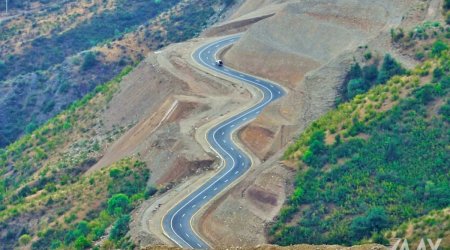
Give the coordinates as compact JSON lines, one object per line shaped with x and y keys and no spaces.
{"x":82,"y":243}
{"x":118,"y":204}
{"x":120,"y":228}
{"x":24,"y":239}
{"x":438,"y":47}
{"x":89,"y":61}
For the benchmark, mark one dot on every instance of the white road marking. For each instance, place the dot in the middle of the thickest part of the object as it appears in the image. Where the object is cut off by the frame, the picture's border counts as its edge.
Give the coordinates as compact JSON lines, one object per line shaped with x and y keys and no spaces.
{"x":247,"y":78}
{"x":240,"y":156}
{"x":215,"y":189}
{"x":272,"y":86}
{"x":224,"y":141}
{"x":181,"y":225}
{"x":194,"y":206}
{"x":237,"y":172}
{"x":245,"y":119}
{"x":187,"y":235}
{"x":279,"y":92}
{"x":226,"y":181}
{"x":232,"y":149}
{"x":183,"y":215}
{"x":241,"y":75}
{"x":232,"y":126}
{"x":204,"y":197}
{"x":223,"y":133}
{"x":207,"y":58}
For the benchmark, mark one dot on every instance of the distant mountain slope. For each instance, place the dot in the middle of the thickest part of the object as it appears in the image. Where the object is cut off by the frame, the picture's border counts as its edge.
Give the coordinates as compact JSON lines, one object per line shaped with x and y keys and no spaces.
{"x":51,"y":56}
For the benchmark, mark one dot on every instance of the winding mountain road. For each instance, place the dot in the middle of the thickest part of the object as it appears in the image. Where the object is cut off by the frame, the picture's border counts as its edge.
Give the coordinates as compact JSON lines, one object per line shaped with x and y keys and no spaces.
{"x":177,"y":222}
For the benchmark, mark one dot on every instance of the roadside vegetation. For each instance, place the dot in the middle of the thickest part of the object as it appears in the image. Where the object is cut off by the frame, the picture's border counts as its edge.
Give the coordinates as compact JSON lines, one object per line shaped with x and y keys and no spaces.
{"x":379,"y":160}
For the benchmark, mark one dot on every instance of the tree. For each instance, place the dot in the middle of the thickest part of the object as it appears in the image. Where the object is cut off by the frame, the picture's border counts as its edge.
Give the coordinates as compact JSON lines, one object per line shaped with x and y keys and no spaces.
{"x":3,"y":69}
{"x":355,"y":87}
{"x":438,"y":47}
{"x":120,"y":228}
{"x":364,"y":226}
{"x":89,"y":61}
{"x":355,"y":72}
{"x":389,"y":69}
{"x":82,"y":243}
{"x":370,"y":73}
{"x":118,"y":204}
{"x":24,"y":239}
{"x":83,"y":227}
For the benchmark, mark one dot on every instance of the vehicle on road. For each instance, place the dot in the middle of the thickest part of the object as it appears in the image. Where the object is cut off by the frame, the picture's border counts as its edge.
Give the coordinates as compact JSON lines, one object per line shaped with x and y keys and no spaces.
{"x":219,"y":63}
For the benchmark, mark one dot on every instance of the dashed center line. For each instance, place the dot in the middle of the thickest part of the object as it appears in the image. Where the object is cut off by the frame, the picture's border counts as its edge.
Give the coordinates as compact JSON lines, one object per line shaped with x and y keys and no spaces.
{"x":194,"y":206}
{"x":226,"y":181}
{"x":237,"y":172}
{"x":240,"y":156}
{"x":215,"y":189}
{"x":204,"y":197}
{"x":183,"y":215}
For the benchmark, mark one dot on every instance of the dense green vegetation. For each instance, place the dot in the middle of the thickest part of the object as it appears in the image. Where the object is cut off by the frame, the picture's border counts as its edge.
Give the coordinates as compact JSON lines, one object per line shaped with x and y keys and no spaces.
{"x":123,"y":191}
{"x":375,"y":162}
{"x":434,"y":225}
{"x":359,"y":80}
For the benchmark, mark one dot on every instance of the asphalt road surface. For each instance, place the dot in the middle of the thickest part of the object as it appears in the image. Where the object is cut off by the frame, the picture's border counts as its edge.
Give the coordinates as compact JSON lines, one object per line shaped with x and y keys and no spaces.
{"x":177,"y":222}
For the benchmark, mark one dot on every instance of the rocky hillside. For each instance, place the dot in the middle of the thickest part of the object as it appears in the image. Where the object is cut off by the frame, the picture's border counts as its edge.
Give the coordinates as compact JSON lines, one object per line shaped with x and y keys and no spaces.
{"x":58,"y":51}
